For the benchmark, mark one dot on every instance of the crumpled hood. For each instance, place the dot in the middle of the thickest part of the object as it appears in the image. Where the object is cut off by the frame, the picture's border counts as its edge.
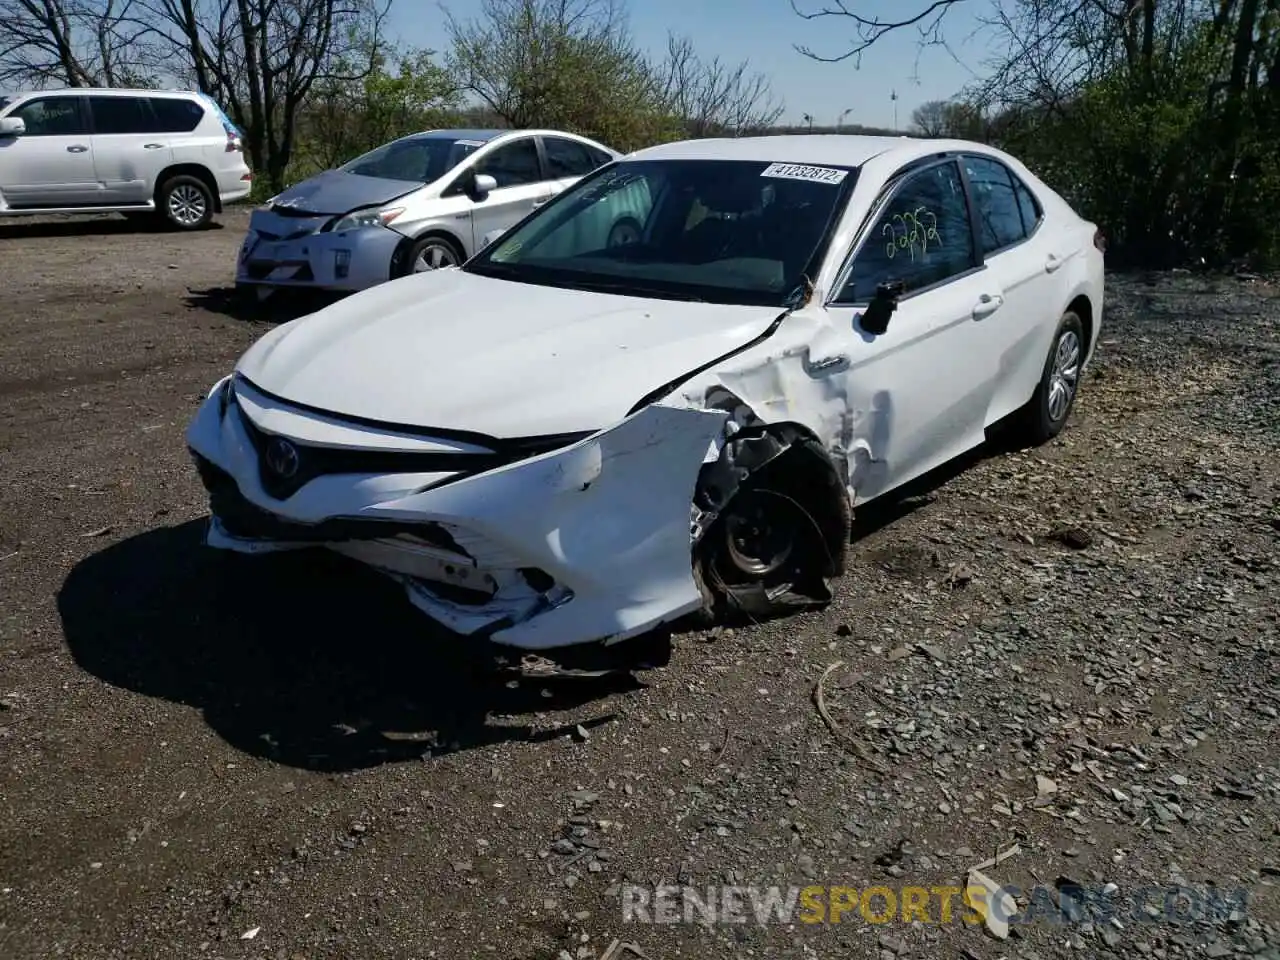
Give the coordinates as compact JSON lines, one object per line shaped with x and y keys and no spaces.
{"x":335,"y":191}
{"x":456,"y":351}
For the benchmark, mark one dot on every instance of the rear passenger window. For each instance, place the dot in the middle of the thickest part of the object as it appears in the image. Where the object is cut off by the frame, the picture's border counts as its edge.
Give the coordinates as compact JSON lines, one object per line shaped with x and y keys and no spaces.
{"x":996,"y":206}
{"x":176,"y":115}
{"x":566,"y":158}
{"x":1028,"y":205}
{"x":120,"y":115}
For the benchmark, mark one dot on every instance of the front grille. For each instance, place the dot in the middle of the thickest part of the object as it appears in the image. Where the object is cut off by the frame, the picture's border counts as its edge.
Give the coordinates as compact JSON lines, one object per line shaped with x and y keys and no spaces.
{"x":295,"y":235}
{"x":282,"y":211}
{"x":312,"y":462}
{"x":243,"y":519}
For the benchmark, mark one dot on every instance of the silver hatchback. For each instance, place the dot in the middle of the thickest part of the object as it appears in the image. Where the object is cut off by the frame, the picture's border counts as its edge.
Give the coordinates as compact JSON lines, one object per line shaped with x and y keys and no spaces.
{"x":421,"y":202}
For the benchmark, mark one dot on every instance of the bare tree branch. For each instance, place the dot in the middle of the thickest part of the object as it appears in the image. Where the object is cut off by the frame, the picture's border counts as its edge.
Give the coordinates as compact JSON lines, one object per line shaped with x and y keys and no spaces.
{"x":261,"y":58}
{"x":869,"y":30}
{"x":710,"y":97}
{"x":71,"y":42}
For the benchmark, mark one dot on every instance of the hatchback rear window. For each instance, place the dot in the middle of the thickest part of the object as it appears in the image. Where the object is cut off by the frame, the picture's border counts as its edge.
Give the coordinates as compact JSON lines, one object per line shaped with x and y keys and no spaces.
{"x":174,"y":115}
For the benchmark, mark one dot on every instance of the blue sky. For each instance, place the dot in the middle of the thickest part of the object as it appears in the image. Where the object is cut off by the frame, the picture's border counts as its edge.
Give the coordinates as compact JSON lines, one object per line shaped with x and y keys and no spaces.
{"x":764,"y":31}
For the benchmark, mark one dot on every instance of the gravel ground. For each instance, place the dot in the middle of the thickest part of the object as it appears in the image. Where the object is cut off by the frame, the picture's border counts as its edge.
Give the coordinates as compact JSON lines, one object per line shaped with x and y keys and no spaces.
{"x":1072,"y":649}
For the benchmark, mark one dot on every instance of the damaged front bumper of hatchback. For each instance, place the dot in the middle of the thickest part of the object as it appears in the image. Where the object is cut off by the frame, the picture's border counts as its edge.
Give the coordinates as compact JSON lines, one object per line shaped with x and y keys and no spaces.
{"x":302,"y":251}
{"x":529,"y":547}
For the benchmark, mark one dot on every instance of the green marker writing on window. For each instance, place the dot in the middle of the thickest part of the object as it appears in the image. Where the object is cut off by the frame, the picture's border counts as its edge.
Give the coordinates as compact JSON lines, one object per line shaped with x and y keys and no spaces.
{"x":919,"y":228}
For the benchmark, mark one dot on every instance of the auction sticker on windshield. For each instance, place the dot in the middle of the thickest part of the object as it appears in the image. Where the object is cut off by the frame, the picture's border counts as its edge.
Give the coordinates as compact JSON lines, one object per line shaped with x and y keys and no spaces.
{"x":800,"y":171}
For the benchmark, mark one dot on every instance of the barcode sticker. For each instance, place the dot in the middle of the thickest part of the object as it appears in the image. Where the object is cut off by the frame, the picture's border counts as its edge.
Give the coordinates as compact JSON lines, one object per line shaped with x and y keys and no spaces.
{"x":800,"y":171}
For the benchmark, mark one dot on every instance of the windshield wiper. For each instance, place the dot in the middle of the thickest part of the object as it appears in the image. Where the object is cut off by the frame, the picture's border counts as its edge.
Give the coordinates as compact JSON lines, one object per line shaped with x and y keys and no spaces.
{"x":625,"y":286}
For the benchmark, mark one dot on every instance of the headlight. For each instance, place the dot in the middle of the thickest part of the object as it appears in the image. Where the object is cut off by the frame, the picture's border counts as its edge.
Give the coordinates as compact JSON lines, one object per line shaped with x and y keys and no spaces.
{"x":224,"y":391}
{"x":359,"y":219}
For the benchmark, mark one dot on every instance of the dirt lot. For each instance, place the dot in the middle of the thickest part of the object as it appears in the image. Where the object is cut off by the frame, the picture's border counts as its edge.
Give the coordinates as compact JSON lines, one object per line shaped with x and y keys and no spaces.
{"x":1073,"y":648}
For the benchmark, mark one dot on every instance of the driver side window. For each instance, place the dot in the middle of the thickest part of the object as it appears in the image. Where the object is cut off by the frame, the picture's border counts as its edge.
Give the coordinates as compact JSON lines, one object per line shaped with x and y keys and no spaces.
{"x":53,"y":117}
{"x":922,"y":236}
{"x":512,"y":165}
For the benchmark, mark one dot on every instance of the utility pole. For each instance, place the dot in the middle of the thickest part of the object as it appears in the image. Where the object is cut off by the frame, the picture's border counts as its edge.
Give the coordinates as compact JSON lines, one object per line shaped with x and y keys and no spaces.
{"x":894,"y":97}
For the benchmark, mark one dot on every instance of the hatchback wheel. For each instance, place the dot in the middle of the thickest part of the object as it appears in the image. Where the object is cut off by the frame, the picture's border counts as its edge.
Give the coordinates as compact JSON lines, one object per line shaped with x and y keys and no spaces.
{"x":186,"y":202}
{"x":626,"y":231}
{"x":1046,"y":413}
{"x":432,"y":253}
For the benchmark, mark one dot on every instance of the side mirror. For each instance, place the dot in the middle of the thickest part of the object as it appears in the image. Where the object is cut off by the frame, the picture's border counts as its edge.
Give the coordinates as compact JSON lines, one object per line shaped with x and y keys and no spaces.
{"x":482,"y":185}
{"x":875,"y":320}
{"x":12,"y":126}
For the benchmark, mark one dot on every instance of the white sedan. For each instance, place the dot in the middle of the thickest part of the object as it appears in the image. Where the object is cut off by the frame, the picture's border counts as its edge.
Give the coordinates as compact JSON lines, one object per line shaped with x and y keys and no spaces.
{"x":665,"y":392}
{"x":418,"y":203}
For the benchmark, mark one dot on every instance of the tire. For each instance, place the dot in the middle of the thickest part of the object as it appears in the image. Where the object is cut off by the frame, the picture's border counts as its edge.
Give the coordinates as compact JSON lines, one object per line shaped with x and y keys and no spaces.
{"x":1049,"y":408}
{"x":766,"y":554}
{"x":432,"y":252}
{"x":185,"y":202}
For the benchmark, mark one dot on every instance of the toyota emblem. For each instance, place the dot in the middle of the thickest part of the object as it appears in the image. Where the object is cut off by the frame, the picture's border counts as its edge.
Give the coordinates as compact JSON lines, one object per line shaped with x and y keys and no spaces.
{"x":282,"y":457}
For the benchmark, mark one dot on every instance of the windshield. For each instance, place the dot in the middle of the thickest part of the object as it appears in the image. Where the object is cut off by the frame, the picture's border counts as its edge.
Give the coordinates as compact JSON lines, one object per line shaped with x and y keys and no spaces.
{"x":723,"y":231}
{"x":415,"y":159}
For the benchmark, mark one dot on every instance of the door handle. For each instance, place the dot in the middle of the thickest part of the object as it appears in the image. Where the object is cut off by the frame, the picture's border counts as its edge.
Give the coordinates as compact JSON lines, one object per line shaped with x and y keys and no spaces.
{"x":152,"y":146}
{"x":1052,"y":263}
{"x":987,"y":305}
{"x":77,"y":148}
{"x":827,"y":365}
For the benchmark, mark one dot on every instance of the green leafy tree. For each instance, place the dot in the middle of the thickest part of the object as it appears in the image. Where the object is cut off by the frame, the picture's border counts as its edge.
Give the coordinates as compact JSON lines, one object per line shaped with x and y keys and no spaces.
{"x":401,"y":93}
{"x":564,"y":64}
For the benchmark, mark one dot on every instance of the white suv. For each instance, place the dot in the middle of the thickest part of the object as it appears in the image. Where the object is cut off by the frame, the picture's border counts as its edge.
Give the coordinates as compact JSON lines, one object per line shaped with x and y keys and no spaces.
{"x":138,"y":152}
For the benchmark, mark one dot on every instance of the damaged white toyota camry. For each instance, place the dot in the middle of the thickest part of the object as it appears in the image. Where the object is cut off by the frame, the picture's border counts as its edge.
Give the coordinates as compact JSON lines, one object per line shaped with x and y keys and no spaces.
{"x":665,"y":390}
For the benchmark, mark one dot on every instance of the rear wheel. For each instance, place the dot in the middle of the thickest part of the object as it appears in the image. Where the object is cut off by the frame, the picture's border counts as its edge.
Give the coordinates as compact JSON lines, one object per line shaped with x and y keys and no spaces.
{"x":186,"y":202}
{"x":1046,"y":413}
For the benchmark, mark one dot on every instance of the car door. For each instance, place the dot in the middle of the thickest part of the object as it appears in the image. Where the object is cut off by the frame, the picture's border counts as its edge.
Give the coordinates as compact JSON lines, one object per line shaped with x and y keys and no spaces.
{"x":517,"y":168}
{"x":51,"y":163}
{"x":1016,"y":252}
{"x":127,"y":150}
{"x":917,"y":393}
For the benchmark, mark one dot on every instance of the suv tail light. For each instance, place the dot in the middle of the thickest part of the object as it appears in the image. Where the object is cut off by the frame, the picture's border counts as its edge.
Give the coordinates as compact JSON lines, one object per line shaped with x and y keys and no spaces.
{"x":1099,"y":240}
{"x":233,"y":142}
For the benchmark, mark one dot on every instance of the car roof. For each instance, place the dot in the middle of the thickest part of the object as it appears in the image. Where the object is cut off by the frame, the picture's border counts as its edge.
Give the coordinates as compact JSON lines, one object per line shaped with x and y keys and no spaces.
{"x":460,"y":134}
{"x":493,"y":134}
{"x":846,"y":150}
{"x":103,"y":91}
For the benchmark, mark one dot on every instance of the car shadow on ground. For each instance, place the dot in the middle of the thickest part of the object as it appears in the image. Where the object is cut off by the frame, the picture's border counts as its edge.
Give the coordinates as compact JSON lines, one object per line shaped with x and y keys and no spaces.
{"x":305,"y":659}
{"x":280,"y":307}
{"x":106,"y":225}
{"x":921,"y":492}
